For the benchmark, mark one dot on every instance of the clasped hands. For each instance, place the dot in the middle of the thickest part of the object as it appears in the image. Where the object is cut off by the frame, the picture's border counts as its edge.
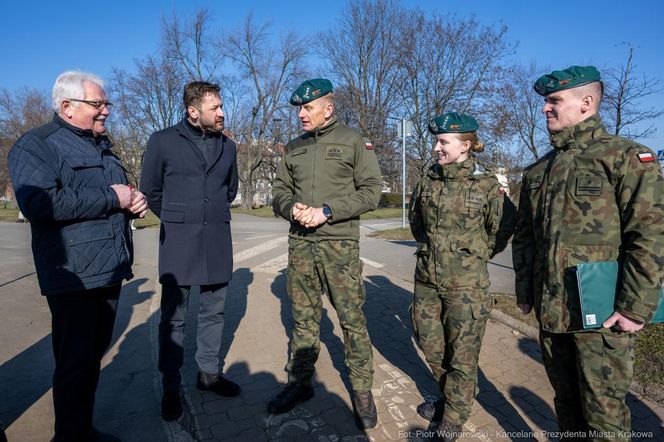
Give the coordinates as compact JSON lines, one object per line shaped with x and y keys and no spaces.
{"x":308,"y":217}
{"x":131,"y":199}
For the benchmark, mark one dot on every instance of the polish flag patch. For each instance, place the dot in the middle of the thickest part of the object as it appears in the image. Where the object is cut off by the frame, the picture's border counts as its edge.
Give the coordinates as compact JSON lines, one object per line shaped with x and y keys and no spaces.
{"x":369,"y":146}
{"x":646,"y":157}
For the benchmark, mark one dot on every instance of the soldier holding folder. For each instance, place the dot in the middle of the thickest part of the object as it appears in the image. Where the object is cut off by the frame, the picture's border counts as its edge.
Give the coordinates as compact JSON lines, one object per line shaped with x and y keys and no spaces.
{"x":593,"y":197}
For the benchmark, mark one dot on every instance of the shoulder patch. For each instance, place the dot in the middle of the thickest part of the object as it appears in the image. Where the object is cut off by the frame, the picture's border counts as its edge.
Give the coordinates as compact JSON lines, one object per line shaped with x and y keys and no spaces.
{"x":368,"y":145}
{"x":646,"y":157}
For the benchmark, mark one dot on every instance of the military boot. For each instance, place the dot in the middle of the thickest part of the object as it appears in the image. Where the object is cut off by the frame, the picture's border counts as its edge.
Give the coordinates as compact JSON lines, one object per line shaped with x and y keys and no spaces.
{"x":364,"y":408}
{"x":448,"y":432}
{"x":291,"y":395}
{"x":432,"y":411}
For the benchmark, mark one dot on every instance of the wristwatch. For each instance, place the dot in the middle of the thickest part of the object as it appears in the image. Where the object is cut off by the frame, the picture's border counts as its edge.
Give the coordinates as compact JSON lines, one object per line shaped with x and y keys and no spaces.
{"x":327,"y":212}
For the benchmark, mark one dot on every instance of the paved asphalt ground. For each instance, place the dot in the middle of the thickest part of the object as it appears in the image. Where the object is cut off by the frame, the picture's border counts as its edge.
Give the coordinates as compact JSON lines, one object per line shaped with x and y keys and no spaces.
{"x":514,"y":400}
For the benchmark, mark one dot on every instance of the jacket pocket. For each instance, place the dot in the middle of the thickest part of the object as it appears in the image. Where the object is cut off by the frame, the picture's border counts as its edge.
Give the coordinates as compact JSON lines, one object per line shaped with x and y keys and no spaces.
{"x":171,"y":216}
{"x":83,"y":162}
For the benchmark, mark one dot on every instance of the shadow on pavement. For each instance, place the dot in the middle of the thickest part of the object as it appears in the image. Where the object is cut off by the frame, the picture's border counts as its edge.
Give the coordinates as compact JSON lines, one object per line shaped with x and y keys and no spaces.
{"x":28,"y":376}
{"x":495,"y":403}
{"x":391,"y":331}
{"x":324,"y":417}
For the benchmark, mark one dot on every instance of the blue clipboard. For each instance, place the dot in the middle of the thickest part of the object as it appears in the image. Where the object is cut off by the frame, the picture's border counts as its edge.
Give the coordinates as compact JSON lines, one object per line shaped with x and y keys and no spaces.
{"x":597,"y":293}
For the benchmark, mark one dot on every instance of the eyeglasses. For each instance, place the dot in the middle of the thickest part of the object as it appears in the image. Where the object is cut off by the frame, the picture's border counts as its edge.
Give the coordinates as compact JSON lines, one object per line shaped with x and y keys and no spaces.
{"x":97,"y":104}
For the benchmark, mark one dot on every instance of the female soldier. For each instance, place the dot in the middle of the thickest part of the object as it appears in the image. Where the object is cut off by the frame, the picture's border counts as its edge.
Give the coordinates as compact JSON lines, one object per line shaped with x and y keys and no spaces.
{"x":460,"y":218}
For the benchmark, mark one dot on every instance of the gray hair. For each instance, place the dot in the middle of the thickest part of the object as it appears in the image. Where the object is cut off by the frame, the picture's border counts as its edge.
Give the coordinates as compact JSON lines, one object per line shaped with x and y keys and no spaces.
{"x":70,"y":85}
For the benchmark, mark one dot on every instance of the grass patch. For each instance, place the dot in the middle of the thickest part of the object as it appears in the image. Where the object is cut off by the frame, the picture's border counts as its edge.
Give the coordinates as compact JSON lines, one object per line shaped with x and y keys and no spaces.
{"x":149,"y":222}
{"x":398,"y":234}
{"x":649,"y":356}
{"x":263,"y":212}
{"x":383,"y":212}
{"x":8,"y":214}
{"x":507,"y":304}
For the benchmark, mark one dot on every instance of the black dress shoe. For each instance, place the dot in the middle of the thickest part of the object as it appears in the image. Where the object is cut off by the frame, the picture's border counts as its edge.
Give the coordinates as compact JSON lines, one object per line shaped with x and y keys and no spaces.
{"x":216,"y":383}
{"x":432,"y":411}
{"x":292,"y":394}
{"x":364,"y":408}
{"x":171,"y":405}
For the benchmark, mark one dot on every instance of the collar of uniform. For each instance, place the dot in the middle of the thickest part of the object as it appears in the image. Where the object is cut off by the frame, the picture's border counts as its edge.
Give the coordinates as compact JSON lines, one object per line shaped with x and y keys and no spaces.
{"x":321,"y":131}
{"x":579,"y":135}
{"x":454,"y":171}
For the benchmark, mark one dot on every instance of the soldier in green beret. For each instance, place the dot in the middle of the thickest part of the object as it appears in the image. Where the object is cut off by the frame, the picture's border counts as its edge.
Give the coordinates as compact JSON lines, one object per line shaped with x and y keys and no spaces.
{"x":593,"y":197}
{"x":327,"y":178}
{"x":461,"y":218}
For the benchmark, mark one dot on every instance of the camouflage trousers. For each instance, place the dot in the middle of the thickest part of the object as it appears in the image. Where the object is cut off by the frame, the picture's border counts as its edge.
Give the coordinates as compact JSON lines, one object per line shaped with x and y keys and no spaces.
{"x":590,"y":373}
{"x":449,"y":328}
{"x":332,"y":267}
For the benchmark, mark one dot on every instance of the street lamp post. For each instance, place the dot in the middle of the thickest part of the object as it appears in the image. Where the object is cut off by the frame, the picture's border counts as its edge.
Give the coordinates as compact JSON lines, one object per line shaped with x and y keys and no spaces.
{"x":405,"y":130}
{"x":403,"y":173}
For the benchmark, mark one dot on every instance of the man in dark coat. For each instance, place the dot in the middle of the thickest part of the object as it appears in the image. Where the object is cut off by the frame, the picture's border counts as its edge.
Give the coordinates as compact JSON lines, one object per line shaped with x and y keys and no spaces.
{"x":74,"y":192}
{"x":190,"y":178}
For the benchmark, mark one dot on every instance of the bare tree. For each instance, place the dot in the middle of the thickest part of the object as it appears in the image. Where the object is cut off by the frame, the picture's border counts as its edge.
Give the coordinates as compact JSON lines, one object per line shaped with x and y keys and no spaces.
{"x":520,"y":108}
{"x":146,"y":101}
{"x":20,"y":111}
{"x":258,"y":95}
{"x":361,"y":54}
{"x":450,"y":64}
{"x":191,"y":46}
{"x":623,"y":100}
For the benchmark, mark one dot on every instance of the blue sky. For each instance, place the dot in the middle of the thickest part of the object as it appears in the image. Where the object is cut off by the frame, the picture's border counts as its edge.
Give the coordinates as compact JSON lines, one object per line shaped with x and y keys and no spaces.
{"x":40,"y":39}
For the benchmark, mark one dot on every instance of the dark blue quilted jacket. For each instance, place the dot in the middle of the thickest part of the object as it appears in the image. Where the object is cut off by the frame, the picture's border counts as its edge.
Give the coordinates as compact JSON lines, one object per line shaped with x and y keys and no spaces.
{"x":80,"y":237}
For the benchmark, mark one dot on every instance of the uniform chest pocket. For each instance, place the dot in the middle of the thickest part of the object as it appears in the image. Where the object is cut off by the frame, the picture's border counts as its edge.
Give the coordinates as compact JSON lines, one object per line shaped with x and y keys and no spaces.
{"x":534,"y":184}
{"x":588,"y":185}
{"x":334,"y":153}
{"x":474,"y":200}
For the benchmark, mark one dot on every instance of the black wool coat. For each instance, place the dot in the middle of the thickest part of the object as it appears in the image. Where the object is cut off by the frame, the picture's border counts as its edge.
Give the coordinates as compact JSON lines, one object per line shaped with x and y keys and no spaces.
{"x":191,"y":197}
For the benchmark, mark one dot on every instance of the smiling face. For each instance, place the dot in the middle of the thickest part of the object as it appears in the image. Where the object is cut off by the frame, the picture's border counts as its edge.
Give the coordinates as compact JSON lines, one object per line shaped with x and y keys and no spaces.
{"x":85,"y":115}
{"x":450,"y":149}
{"x":315,"y":114}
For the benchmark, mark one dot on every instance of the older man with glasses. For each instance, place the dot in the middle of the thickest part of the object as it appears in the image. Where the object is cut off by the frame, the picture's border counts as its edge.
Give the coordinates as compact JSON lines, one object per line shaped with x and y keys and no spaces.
{"x":74,"y":191}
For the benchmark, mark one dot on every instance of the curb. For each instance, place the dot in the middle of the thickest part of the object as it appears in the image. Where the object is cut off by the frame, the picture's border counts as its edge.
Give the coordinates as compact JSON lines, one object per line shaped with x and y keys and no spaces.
{"x":654,"y":393}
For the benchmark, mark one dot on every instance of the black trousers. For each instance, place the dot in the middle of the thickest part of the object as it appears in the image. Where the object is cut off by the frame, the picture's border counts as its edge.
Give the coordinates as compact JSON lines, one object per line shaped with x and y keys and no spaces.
{"x":82,"y":328}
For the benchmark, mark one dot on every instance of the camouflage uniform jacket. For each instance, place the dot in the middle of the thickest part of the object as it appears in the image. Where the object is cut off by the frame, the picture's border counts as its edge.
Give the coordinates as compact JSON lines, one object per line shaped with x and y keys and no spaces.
{"x":333,"y":166}
{"x":590,"y":199}
{"x":456,"y":216}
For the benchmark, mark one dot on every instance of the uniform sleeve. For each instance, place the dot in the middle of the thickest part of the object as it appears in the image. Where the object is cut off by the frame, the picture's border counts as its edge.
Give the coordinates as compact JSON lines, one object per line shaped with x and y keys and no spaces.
{"x":40,"y":194}
{"x":523,"y":251}
{"x":640,"y":195}
{"x":368,"y":185}
{"x":415,"y":215}
{"x":500,"y":220}
{"x":152,"y":175}
{"x":283,"y":190}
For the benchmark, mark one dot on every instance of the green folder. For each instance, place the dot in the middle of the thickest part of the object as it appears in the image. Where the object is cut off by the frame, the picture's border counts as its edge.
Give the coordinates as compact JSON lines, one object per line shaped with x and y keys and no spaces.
{"x":597,"y":293}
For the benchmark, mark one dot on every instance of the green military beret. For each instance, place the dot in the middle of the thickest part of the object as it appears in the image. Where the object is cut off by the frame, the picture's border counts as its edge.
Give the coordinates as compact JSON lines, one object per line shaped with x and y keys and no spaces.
{"x":311,"y":90}
{"x":566,"y":79}
{"x":452,"y":122}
